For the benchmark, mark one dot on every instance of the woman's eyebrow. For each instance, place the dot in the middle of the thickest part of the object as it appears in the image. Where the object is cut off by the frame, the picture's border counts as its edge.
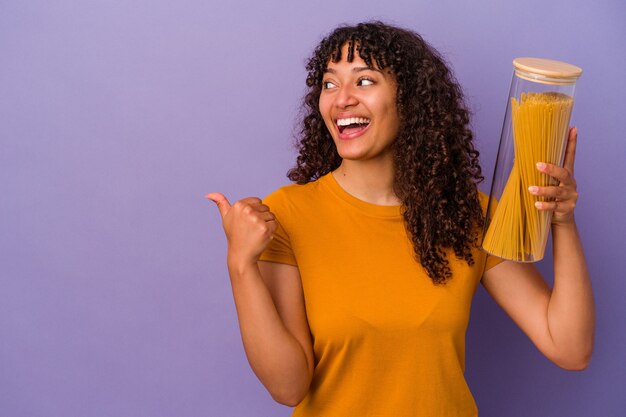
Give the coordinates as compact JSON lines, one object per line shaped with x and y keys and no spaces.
{"x":359,"y":69}
{"x":355,"y":69}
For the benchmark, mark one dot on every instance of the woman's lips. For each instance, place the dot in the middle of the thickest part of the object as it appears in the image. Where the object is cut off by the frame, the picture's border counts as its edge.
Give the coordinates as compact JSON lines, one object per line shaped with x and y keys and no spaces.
{"x":349,"y":133}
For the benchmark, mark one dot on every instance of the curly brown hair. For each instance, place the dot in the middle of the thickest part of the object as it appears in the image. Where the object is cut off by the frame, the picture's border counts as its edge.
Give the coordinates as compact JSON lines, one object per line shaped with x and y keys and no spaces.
{"x":436,"y":164}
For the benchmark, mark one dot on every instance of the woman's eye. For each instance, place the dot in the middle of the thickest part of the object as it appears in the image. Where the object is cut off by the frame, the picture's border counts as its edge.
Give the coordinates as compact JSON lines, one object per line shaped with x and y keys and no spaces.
{"x":365,"y":81}
{"x":327,"y":84}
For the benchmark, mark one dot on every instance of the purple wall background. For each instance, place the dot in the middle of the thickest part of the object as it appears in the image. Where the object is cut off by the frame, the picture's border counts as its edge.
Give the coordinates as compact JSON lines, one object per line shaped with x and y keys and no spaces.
{"x":116,"y":117}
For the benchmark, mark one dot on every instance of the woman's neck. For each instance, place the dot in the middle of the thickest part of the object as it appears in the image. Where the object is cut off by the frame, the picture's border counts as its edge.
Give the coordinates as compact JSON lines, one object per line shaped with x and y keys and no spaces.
{"x":370,"y":181}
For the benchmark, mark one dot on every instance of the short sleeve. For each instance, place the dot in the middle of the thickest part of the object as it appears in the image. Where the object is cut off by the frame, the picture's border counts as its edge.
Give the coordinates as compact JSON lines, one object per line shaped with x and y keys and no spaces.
{"x":492,"y":261}
{"x":279,"y":249}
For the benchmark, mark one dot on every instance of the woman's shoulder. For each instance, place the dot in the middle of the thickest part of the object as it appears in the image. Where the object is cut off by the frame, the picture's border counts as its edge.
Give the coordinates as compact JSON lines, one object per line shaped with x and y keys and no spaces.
{"x":292,"y":195}
{"x":483,"y":199}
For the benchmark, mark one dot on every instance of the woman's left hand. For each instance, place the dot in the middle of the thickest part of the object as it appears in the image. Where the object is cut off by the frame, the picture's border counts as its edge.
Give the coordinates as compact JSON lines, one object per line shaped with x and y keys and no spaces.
{"x":564,"y":195}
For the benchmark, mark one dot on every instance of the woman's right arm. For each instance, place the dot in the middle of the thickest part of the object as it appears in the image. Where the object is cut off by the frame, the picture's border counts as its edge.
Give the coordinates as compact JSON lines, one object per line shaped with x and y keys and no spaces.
{"x":269,"y":301}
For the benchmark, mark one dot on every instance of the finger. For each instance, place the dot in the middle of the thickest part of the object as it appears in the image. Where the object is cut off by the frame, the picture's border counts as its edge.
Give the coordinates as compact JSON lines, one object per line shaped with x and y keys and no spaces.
{"x":559,"y":192}
{"x":272,"y":225}
{"x":260,"y":207}
{"x":267,"y":216}
{"x":570,"y":150}
{"x":251,"y":200}
{"x":556,"y":206}
{"x":563,"y":175}
{"x":222,"y":202}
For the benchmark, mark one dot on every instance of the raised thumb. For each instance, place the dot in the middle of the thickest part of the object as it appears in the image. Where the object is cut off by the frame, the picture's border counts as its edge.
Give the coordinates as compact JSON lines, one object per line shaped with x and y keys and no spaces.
{"x":222,"y":202}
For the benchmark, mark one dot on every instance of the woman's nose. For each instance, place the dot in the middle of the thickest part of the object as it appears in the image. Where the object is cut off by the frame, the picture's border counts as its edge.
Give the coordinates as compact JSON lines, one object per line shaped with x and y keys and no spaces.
{"x":346,"y":97}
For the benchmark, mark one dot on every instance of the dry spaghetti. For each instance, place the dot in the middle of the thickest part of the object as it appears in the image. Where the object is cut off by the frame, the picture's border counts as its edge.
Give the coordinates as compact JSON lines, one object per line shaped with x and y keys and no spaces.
{"x":517,"y":230}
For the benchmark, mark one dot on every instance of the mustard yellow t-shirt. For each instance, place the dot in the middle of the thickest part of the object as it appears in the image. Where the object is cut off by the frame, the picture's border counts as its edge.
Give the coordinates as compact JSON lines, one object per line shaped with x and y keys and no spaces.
{"x":387,"y":341}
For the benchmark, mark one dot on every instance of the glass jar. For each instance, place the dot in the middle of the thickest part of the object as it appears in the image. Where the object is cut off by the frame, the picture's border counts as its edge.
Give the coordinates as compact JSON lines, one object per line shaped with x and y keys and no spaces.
{"x":535,"y":129}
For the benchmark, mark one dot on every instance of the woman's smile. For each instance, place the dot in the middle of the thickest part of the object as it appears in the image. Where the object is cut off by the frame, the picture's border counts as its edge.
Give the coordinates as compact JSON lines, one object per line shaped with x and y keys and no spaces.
{"x":351,"y":127}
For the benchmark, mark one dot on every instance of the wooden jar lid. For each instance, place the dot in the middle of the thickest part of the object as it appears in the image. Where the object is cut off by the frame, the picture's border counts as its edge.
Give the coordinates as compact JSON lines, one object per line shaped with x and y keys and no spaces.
{"x":546,"y":70}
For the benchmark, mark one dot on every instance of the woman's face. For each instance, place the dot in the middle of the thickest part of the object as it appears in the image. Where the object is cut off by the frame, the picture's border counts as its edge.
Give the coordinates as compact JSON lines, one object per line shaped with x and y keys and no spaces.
{"x":358,"y":105}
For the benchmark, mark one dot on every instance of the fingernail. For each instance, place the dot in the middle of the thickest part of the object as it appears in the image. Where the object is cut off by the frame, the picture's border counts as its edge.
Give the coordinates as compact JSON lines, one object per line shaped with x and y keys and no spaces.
{"x":541,"y":165}
{"x":533,"y":189}
{"x":538,"y":204}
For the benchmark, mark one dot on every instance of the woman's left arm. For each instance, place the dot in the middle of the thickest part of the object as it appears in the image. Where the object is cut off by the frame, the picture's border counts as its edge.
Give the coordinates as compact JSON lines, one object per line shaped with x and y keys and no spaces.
{"x":559,"y":321}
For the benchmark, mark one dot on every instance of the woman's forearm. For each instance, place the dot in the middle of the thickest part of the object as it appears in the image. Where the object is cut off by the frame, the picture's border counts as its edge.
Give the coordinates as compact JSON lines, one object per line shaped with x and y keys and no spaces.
{"x":275,"y":355}
{"x":571,"y":317}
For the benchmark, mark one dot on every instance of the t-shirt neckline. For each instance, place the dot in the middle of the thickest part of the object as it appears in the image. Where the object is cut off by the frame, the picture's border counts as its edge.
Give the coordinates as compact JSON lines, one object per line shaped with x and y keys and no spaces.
{"x":364,"y":206}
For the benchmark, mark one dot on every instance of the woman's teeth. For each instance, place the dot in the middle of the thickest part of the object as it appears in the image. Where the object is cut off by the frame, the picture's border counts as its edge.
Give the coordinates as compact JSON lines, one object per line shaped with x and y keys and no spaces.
{"x":352,"y":123}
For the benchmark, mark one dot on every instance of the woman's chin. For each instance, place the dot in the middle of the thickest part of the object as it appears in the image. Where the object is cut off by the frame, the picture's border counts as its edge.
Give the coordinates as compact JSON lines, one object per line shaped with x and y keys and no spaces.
{"x":352,"y":156}
{"x":362,"y":155}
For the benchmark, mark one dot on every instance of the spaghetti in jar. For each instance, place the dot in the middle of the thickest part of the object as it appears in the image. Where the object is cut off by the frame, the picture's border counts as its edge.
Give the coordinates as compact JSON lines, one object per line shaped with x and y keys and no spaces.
{"x":535,"y":129}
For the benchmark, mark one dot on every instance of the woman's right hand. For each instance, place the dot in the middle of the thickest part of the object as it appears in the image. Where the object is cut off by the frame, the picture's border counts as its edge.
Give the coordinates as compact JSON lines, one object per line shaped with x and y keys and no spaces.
{"x":249,"y":226}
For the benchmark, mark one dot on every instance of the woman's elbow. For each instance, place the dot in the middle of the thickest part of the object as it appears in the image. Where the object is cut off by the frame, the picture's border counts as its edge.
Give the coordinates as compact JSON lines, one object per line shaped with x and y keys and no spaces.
{"x":577,"y":363}
{"x":287,"y":402}
{"x":291,"y":394}
{"x":290,"y":399}
{"x":578,"y":366}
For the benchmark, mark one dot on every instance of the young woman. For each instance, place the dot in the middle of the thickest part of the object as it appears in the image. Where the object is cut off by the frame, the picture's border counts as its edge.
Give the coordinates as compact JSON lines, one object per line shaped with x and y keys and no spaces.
{"x":353,"y":287}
